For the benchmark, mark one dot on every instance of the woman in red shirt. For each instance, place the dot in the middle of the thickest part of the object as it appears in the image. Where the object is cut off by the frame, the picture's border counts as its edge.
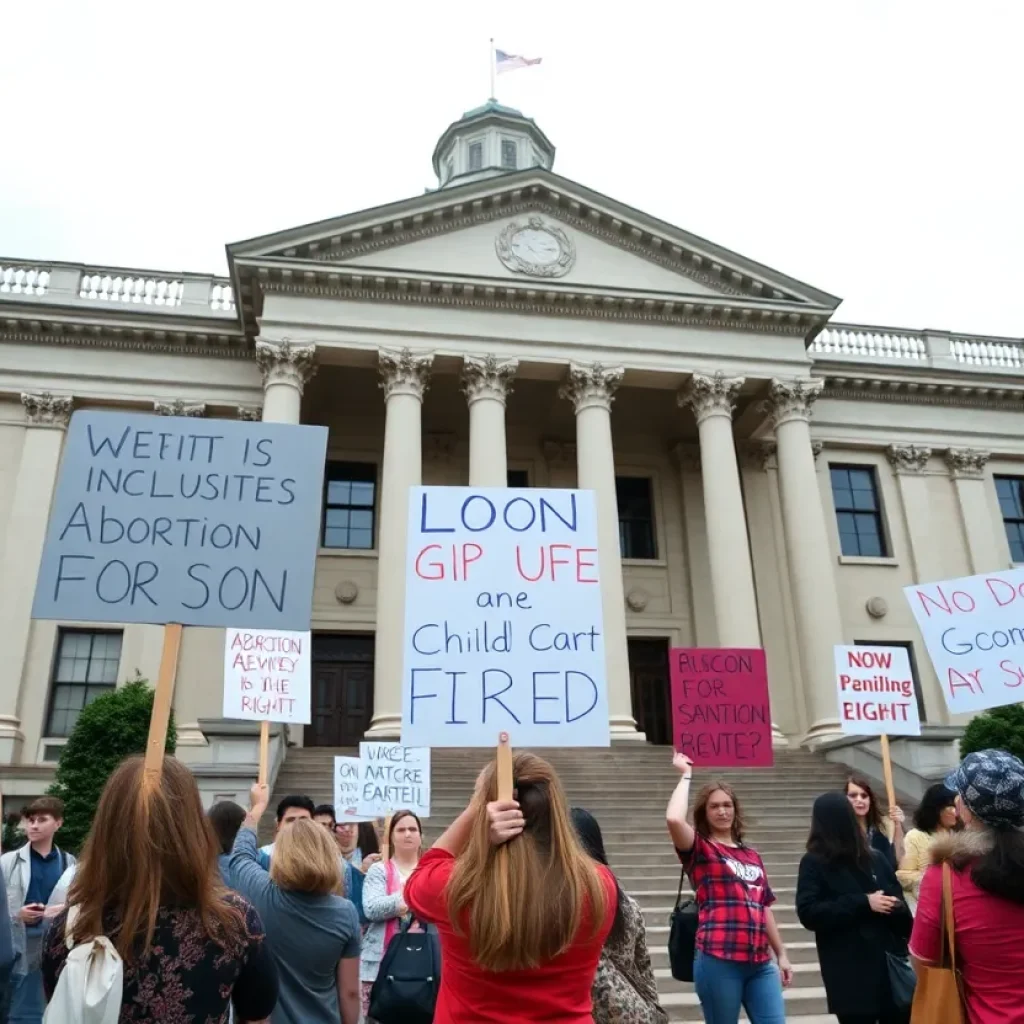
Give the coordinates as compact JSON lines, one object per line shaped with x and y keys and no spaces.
{"x":522,"y":911}
{"x":987,"y":862}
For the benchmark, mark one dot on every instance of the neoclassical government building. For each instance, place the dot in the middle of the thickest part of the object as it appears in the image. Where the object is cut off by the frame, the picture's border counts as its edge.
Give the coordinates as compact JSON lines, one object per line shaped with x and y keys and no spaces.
{"x":763,"y":475}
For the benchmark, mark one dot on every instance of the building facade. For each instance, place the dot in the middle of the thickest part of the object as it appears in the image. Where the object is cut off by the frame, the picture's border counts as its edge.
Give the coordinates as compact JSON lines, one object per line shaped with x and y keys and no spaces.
{"x":763,"y":475}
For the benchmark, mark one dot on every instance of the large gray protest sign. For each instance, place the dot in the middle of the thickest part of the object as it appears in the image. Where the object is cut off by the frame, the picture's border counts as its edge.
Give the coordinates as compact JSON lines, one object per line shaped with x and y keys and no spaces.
{"x":172,"y":519}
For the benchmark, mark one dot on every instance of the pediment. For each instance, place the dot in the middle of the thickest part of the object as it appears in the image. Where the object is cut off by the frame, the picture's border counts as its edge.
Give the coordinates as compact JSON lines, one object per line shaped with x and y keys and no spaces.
{"x":453,"y":232}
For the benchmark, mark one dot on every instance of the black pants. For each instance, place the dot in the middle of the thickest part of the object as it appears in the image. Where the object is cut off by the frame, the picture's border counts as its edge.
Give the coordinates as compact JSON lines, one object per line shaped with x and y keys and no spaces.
{"x":891,"y":1017}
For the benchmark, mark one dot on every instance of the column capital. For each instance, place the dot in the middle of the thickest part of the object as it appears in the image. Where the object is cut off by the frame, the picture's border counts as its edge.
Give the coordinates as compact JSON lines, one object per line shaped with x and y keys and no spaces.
{"x":46,"y":410}
{"x":286,"y":363}
{"x":558,"y":453}
{"x":792,"y":399}
{"x":908,"y":458}
{"x":404,"y":372}
{"x":688,"y":456}
{"x":761,"y":454}
{"x":250,"y":413}
{"x":710,"y":396}
{"x":179,"y":407}
{"x":487,"y":377}
{"x":591,"y":384}
{"x":966,"y":463}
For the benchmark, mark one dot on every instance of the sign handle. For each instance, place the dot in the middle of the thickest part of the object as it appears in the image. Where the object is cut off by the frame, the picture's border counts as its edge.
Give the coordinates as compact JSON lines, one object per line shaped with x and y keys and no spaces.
{"x":162,"y":699}
{"x":385,"y":852}
{"x":890,"y":789}
{"x":264,"y":752}
{"x":504,"y":767}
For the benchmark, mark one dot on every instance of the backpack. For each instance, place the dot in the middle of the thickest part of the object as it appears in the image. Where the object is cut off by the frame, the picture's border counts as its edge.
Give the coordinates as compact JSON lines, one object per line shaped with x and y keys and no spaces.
{"x":409,"y":978}
{"x":90,"y":987}
{"x":682,"y":935}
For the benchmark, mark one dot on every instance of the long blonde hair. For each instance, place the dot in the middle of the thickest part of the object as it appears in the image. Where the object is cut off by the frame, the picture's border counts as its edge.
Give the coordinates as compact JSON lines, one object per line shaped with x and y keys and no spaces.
{"x":523,"y":903}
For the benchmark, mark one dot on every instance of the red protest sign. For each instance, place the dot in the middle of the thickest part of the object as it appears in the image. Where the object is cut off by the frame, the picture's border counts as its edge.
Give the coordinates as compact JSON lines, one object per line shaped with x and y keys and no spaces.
{"x":721,"y":717}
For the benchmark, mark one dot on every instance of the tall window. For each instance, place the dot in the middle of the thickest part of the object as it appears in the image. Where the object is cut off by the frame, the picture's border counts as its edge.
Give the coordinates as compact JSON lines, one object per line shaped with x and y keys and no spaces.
{"x":636,"y":517}
{"x":1010,"y":490}
{"x":86,"y":666}
{"x":476,"y":156}
{"x":518,"y":478}
{"x":508,"y":154}
{"x":350,"y":490}
{"x":858,"y":511}
{"x":908,"y":646}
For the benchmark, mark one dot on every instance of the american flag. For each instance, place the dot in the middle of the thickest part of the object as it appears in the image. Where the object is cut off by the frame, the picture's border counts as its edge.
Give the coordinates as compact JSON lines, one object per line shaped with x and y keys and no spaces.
{"x":512,"y":62}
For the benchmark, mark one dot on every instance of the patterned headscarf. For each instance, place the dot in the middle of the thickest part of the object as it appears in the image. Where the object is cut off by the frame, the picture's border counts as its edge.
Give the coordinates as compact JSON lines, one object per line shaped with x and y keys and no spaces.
{"x":991,"y":784}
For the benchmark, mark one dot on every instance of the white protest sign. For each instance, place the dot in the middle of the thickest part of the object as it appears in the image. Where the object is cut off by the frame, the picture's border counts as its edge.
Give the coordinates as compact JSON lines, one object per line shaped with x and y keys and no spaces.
{"x":348,"y":773}
{"x":266,"y":676}
{"x":876,"y":691}
{"x":974,"y":631}
{"x":504,"y":629}
{"x":394,"y":778}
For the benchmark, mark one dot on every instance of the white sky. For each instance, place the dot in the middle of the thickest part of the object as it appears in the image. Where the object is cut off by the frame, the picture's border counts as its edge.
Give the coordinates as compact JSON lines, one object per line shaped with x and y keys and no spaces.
{"x":869,"y":147}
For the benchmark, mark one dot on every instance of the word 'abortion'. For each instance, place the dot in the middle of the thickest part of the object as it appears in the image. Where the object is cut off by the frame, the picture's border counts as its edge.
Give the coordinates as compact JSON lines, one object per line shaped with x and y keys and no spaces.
{"x":262,"y":652}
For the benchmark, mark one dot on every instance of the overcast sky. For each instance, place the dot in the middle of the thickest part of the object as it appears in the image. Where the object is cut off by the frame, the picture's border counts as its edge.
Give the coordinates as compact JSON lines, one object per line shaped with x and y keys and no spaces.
{"x":869,"y":147}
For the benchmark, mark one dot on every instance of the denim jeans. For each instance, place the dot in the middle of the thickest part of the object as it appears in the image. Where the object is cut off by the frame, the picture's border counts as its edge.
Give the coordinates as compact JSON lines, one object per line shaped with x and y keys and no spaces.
{"x":27,"y":1000}
{"x":723,"y":986}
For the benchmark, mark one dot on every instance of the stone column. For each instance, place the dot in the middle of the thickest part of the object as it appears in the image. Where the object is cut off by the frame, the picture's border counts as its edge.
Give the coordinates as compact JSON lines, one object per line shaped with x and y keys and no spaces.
{"x":909,"y":462}
{"x":179,"y":407}
{"x":819,"y":623}
{"x":486,"y":381}
{"x":983,"y":530}
{"x":732,"y":574}
{"x":285,"y":368}
{"x":591,"y":388}
{"x":405,"y":376}
{"x":34,"y":485}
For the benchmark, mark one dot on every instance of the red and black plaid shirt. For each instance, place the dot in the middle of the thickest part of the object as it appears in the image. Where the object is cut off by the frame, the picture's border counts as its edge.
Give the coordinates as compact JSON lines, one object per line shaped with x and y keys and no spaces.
{"x":733,"y":897}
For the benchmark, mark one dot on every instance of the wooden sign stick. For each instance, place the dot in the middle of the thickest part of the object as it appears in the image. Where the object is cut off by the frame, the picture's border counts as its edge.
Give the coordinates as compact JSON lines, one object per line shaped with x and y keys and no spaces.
{"x":504,"y":768}
{"x":162,"y":700}
{"x":385,"y":851}
{"x":890,"y":789}
{"x":264,"y":752}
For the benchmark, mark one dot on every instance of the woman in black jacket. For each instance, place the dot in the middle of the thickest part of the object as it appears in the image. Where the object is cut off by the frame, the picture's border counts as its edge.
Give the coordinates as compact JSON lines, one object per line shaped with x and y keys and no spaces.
{"x":848,"y":895}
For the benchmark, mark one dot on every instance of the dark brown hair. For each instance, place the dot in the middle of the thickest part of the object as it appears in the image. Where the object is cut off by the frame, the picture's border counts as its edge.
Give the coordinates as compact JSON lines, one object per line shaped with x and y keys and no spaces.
{"x":874,"y":812}
{"x":395,"y":819}
{"x":700,"y":810}
{"x":50,"y":805}
{"x":367,"y":839}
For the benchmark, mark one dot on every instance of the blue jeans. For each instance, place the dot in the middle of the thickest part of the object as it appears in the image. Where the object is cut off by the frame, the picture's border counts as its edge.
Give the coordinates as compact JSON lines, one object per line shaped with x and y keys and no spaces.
{"x":723,"y":986}
{"x":27,"y":1001}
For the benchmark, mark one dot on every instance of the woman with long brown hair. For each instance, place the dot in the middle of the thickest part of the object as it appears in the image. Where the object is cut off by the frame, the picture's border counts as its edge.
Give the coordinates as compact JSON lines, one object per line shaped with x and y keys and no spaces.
{"x":522,"y":910}
{"x":148,"y":881}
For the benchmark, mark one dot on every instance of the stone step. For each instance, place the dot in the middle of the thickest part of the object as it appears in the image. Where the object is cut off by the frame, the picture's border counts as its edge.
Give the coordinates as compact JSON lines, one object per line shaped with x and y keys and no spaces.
{"x":800,"y":952}
{"x":805,"y":975}
{"x":801,"y":1003}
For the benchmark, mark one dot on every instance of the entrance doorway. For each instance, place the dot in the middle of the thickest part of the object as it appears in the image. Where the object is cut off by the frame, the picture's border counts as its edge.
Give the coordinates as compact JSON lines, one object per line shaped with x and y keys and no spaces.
{"x":649,"y":687}
{"x":342,"y":678}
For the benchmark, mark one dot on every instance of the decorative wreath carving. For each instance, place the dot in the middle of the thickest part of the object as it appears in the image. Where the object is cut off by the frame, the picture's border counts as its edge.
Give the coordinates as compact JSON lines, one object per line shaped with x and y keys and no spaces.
{"x":558,"y":268}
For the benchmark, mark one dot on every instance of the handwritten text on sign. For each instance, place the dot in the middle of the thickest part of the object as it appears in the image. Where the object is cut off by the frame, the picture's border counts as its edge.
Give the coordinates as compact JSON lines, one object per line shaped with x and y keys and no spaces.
{"x":394,"y":778}
{"x":974,"y":631}
{"x":171,"y":519}
{"x":503,"y":628}
{"x":720,"y":711}
{"x":876,"y":691}
{"x":266,"y":676}
{"x":348,"y":783}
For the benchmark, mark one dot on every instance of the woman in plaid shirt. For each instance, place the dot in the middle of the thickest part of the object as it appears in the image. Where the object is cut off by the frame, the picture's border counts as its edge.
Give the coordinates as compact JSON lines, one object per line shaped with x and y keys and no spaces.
{"x":737,"y":933}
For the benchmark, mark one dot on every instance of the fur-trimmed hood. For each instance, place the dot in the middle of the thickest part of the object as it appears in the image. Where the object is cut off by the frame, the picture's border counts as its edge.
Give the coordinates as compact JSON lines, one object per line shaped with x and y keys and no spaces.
{"x":958,"y":849}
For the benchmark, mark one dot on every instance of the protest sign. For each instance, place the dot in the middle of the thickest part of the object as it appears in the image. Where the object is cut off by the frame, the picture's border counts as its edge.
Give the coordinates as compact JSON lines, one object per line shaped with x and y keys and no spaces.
{"x":348,"y":774}
{"x":721,"y":717}
{"x":394,"y":778}
{"x":180,"y":520}
{"x":504,"y":627}
{"x":876,"y":691}
{"x":266,"y":676}
{"x":974,"y":631}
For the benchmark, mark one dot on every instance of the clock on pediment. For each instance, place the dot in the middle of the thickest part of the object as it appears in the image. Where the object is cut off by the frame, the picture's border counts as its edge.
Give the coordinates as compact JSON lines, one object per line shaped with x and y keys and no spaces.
{"x":535,"y":247}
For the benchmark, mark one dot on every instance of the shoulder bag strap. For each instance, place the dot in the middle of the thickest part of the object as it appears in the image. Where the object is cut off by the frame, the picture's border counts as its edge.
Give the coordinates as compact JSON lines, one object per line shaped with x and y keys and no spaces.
{"x":679,"y":894}
{"x":948,"y":917}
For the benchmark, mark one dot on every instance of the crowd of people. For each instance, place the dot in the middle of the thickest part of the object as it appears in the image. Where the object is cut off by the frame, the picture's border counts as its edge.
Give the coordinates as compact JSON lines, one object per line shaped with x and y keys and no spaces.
{"x":520,"y":914}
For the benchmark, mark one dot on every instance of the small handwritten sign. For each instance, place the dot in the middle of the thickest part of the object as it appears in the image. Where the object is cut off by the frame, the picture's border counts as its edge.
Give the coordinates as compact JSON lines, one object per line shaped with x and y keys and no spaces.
{"x":394,"y":778}
{"x":876,"y":691}
{"x":504,"y":626}
{"x":721,"y":716}
{"x":266,"y":676}
{"x":348,"y":774}
{"x":974,"y":631}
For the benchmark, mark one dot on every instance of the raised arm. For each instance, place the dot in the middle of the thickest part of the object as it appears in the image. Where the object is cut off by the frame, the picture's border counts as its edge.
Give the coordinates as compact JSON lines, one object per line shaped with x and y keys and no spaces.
{"x":249,"y":876}
{"x":679,"y":828}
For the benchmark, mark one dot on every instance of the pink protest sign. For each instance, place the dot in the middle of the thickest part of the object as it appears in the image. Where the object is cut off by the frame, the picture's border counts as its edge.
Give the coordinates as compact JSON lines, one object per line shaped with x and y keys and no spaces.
{"x":721,"y":716}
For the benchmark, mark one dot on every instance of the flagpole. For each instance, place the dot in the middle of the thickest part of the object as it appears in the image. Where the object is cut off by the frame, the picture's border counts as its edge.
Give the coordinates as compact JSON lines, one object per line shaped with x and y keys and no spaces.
{"x":493,"y":88}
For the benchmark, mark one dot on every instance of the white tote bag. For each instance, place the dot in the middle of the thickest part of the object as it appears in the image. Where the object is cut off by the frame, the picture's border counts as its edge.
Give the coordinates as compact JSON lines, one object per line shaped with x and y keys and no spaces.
{"x":90,"y":986}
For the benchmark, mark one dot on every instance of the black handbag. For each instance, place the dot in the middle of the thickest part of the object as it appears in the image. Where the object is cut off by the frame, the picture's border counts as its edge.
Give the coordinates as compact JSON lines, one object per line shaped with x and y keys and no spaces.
{"x":682,"y":934}
{"x":902,"y":980}
{"x":409,"y":977}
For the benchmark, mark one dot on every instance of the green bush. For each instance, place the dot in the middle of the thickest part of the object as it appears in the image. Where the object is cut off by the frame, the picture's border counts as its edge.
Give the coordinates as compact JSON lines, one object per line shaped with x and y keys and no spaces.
{"x":999,"y":729}
{"x":111,"y":728}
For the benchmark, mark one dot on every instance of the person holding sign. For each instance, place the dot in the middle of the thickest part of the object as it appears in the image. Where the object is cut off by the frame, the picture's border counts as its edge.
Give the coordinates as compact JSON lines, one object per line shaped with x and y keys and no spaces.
{"x":523,"y":916}
{"x":885,"y":837}
{"x":736,"y":932}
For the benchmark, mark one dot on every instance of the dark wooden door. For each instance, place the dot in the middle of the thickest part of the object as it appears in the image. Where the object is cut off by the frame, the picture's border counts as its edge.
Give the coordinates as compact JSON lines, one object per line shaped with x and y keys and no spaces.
{"x":342,"y":690}
{"x":648,"y":681}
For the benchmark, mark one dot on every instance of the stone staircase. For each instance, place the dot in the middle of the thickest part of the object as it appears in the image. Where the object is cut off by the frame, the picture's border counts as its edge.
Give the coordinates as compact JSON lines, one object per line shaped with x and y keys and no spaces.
{"x":626,"y":788}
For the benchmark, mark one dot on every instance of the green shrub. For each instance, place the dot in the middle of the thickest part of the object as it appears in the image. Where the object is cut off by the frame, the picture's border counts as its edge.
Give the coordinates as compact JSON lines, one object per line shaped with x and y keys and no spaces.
{"x":111,"y":728}
{"x":1000,"y":729}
